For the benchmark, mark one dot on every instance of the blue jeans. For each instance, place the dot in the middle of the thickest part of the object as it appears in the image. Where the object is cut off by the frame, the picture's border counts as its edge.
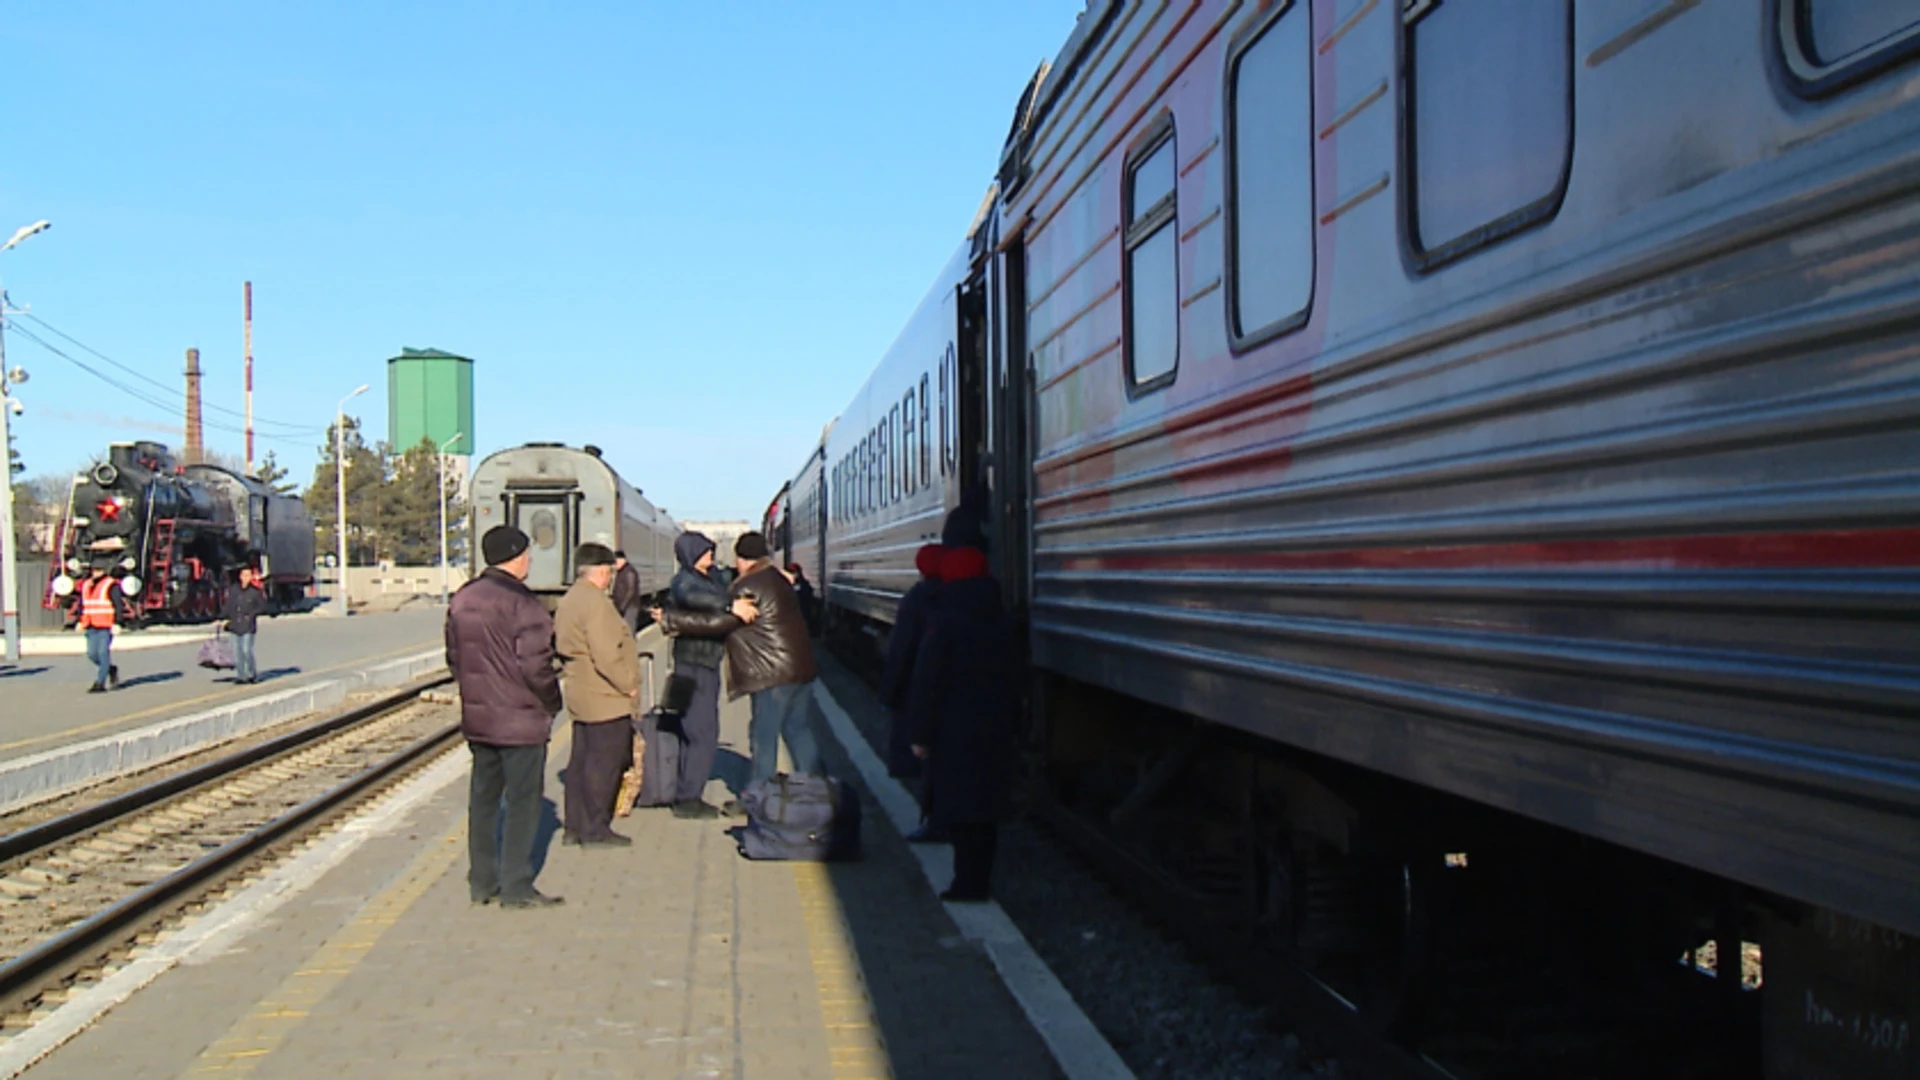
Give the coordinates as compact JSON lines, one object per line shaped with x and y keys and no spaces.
{"x":244,"y":666}
{"x":783,"y":711}
{"x":100,"y":651}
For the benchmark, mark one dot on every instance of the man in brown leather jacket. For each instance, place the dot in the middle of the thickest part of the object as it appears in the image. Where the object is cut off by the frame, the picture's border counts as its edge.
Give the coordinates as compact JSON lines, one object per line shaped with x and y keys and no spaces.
{"x":770,"y":659}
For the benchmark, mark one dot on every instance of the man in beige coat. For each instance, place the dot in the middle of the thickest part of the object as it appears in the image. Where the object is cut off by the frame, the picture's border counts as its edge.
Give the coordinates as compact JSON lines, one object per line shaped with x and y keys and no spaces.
{"x":600,"y":679}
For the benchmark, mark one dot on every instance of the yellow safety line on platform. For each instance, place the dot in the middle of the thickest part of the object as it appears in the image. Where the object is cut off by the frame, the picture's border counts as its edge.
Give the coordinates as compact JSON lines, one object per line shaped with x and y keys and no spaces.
{"x":203,"y":699}
{"x":254,"y":1036}
{"x":855,"y":1047}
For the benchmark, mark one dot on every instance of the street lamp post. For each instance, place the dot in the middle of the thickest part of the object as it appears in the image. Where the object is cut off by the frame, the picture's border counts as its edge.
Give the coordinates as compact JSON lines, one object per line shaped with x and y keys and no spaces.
{"x":442,"y":456}
{"x":9,"y":557}
{"x":340,"y":490}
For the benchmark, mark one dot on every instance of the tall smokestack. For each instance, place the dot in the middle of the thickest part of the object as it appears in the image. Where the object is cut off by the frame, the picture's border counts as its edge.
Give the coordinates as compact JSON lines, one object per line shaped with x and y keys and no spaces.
{"x":246,"y":337}
{"x":195,"y":448}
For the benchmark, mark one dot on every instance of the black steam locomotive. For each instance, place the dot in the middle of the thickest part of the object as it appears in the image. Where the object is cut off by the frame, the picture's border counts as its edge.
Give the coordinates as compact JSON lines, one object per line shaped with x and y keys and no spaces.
{"x":176,"y":535}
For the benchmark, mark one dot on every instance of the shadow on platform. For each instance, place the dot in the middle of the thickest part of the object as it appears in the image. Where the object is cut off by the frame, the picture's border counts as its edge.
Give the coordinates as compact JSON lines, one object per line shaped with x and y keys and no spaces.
{"x":146,"y":680}
{"x":11,"y":672}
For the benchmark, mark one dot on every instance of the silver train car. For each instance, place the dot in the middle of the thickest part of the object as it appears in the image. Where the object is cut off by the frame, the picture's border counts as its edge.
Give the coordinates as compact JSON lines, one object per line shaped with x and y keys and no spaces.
{"x":1503,"y":407}
{"x":562,"y":497}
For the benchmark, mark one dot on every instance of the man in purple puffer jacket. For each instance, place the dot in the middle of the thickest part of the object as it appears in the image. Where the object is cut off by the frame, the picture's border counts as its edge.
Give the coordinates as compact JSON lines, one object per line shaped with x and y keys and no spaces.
{"x":500,"y":650}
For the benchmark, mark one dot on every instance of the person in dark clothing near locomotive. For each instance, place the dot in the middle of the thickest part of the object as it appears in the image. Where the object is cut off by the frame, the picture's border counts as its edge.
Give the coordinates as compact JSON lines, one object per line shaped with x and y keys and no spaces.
{"x":246,"y":602}
{"x":903,"y":645}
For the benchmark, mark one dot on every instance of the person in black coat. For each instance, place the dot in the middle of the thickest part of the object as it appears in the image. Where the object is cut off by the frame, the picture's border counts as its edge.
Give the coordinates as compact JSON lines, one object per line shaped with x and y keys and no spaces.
{"x":246,"y":602}
{"x":903,"y":645}
{"x":965,"y":707}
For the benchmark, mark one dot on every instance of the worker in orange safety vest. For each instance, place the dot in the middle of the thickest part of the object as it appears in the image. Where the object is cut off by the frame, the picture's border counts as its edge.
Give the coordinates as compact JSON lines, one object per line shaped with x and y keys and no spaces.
{"x":99,"y":603}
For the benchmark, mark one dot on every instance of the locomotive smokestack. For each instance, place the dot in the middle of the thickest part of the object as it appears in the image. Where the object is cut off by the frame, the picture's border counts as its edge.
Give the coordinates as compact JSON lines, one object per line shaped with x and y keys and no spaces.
{"x":195,"y":449}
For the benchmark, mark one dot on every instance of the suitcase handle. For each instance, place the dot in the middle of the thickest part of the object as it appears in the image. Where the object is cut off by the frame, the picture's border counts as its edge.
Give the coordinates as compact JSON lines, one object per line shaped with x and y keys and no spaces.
{"x":648,"y":657}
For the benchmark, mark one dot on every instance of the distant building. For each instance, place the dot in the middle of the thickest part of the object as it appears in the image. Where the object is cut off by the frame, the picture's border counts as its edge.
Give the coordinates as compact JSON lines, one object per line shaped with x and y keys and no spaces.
{"x":722,"y":533}
{"x":430,"y":396}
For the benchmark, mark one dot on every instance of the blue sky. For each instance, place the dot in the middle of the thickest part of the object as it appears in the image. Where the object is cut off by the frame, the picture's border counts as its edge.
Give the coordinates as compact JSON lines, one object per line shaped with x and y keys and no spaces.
{"x":684,"y":232}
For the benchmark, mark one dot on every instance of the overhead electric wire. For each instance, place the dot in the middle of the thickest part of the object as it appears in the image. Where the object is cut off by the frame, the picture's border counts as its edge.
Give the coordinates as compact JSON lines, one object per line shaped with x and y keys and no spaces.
{"x":292,"y":429}
{"x":143,"y":396}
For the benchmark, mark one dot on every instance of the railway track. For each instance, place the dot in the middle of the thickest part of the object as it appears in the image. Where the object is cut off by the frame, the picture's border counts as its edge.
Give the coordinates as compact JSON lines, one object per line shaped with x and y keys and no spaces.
{"x":79,"y":891}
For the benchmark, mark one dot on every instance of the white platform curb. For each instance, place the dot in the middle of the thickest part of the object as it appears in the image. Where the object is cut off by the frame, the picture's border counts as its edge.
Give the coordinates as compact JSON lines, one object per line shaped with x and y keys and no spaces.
{"x":1076,"y":1044}
{"x":45,"y":775}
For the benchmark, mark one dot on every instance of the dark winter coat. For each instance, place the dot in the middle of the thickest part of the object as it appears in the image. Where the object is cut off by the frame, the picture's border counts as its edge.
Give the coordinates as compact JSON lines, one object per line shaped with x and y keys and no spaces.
{"x":626,"y":597}
{"x":903,"y":642}
{"x":500,"y":650}
{"x":964,"y":703}
{"x":244,"y":607}
{"x":704,"y":644}
{"x":773,"y":650}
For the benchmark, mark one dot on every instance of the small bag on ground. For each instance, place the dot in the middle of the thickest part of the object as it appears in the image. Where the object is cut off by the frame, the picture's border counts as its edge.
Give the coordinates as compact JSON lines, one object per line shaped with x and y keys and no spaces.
{"x":802,"y":818}
{"x":216,"y":653}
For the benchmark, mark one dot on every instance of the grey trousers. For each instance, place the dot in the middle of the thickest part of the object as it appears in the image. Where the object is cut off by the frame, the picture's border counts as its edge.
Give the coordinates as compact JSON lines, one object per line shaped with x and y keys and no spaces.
{"x":699,"y":732}
{"x":500,"y":859}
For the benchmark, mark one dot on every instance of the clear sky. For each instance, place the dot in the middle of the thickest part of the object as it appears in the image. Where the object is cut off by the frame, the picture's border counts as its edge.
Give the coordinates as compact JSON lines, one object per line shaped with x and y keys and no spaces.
{"x":681,"y":231}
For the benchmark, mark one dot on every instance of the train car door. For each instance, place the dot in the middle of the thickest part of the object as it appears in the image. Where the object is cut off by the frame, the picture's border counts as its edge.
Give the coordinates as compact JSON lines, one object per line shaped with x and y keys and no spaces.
{"x":972,"y":380}
{"x":1011,"y":418}
{"x":546,"y":518}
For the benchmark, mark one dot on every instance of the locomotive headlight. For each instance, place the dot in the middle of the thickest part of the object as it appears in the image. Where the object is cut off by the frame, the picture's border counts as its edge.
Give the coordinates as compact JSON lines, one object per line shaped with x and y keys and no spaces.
{"x":62,"y":585}
{"x":129,"y":564}
{"x":73,"y":565}
{"x":130,"y":585}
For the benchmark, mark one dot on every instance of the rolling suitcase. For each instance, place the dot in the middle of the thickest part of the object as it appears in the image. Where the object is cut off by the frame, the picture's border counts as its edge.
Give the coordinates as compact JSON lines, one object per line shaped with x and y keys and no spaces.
{"x":802,"y":818}
{"x":657,"y":744}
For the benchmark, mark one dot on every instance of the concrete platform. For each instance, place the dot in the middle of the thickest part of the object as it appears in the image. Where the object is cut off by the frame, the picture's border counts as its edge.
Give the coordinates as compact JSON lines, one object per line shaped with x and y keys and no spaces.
{"x":44,"y":703}
{"x":672,"y":958}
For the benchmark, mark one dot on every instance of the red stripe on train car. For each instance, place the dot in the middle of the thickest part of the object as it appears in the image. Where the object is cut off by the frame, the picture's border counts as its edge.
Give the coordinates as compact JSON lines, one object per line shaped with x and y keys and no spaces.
{"x":1869,"y":548}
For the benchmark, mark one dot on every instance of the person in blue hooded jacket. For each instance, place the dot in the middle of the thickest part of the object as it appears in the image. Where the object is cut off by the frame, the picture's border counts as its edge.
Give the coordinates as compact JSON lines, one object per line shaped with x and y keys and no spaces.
{"x":697,"y":652}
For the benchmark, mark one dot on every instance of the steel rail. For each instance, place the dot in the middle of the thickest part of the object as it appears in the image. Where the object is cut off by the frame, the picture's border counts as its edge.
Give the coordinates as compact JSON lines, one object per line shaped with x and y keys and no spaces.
{"x":73,"y":948}
{"x":68,"y":826}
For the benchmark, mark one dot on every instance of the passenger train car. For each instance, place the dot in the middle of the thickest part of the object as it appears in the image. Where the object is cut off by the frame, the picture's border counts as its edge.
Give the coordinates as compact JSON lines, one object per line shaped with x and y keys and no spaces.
{"x":561,"y":498}
{"x":1506,"y":415}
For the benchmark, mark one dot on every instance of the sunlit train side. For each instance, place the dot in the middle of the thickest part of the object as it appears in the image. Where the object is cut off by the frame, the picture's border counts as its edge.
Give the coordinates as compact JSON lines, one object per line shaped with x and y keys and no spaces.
{"x":561,"y":498}
{"x":1516,"y":403}
{"x":891,"y":461}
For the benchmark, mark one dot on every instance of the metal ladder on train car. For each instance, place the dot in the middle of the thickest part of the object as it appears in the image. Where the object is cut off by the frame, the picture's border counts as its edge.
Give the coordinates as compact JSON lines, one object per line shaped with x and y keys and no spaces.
{"x":160,"y":550}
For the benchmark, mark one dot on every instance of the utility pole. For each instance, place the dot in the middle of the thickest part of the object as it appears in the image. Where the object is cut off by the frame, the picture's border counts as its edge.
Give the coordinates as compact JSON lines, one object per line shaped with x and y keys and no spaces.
{"x":246,"y":346}
{"x":340,"y":490}
{"x":9,"y":541}
{"x":442,"y":458}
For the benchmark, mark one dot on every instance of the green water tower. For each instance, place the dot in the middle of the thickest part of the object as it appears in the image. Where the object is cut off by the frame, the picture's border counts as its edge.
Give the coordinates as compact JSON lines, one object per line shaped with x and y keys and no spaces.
{"x":430,"y":396}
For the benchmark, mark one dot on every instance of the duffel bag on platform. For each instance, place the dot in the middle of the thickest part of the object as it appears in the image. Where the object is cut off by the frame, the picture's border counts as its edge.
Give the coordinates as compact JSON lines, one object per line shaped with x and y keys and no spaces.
{"x":801,"y":818}
{"x":216,"y":652}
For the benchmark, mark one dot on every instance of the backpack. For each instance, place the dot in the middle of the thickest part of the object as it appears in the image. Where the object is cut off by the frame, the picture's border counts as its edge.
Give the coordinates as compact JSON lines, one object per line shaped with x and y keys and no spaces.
{"x":802,"y":818}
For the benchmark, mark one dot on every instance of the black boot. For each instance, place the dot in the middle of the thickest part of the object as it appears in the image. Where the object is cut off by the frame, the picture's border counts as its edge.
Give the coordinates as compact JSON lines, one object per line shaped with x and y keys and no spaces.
{"x":96,"y":688}
{"x":113,"y":676}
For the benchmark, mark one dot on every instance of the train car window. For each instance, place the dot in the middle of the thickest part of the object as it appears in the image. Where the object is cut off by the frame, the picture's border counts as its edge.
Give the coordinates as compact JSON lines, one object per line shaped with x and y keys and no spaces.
{"x":1152,"y":290}
{"x":945,"y":395}
{"x":926,"y":432}
{"x":1829,"y":44}
{"x":1270,"y":178}
{"x":1488,"y":115}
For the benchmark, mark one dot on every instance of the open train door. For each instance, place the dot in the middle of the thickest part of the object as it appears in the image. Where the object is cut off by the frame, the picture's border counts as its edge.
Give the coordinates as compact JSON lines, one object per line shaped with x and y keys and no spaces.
{"x":1010,"y":413}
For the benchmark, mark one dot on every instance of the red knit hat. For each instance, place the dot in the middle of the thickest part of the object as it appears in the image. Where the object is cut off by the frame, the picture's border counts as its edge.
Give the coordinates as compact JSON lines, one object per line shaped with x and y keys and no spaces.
{"x":927,"y":561}
{"x":963,"y":564}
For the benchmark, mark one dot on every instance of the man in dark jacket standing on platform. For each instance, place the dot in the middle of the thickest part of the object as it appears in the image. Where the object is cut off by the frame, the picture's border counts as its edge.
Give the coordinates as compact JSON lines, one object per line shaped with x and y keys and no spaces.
{"x":903,"y":645}
{"x":626,"y":591}
{"x":500,"y":650}
{"x":770,"y":658}
{"x":246,"y":602}
{"x":965,"y":705}
{"x":709,"y":615}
